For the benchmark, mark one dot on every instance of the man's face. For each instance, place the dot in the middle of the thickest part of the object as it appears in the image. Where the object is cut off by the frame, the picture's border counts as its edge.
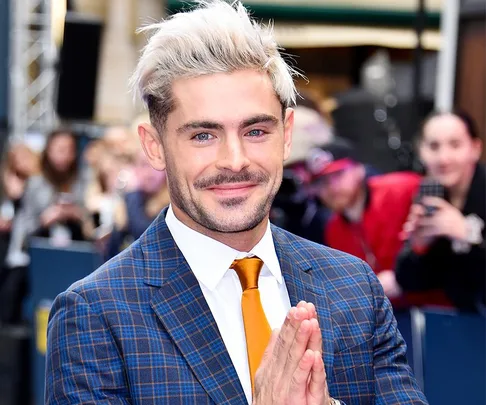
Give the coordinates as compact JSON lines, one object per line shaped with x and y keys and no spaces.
{"x":223,"y":148}
{"x":339,"y":190}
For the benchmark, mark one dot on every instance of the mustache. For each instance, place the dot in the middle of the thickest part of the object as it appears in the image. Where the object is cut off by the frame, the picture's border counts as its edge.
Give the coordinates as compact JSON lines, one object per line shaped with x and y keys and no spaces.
{"x":231,"y":178}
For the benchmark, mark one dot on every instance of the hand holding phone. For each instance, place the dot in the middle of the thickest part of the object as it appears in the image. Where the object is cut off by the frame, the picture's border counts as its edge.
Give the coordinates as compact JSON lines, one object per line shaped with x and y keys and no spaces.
{"x":430,"y":188}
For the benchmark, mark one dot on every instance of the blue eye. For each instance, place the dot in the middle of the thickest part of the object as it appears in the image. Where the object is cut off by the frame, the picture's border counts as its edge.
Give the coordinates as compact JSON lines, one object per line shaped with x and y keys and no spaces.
{"x":203,"y":137}
{"x":256,"y":132}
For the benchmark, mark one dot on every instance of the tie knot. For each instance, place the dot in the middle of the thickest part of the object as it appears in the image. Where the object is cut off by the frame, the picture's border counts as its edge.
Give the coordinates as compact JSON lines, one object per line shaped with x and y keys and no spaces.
{"x":248,"y":270}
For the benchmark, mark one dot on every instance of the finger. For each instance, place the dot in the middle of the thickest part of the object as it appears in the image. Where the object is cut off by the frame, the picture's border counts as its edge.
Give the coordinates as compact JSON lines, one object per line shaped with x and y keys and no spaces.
{"x":408,"y":229}
{"x":265,"y":364}
{"x":408,"y":226}
{"x":296,"y":351}
{"x":427,"y":228}
{"x":267,"y":354}
{"x":427,"y":223}
{"x":315,"y":339}
{"x":311,"y":309}
{"x":287,"y":334}
{"x":417,"y":210}
{"x":298,"y":383}
{"x":317,"y":387}
{"x":429,"y":232}
{"x":435,"y":202}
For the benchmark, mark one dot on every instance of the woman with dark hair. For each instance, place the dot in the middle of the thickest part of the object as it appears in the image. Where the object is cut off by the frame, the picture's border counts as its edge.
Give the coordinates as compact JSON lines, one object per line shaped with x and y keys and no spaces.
{"x":51,"y":207}
{"x":445,"y":236}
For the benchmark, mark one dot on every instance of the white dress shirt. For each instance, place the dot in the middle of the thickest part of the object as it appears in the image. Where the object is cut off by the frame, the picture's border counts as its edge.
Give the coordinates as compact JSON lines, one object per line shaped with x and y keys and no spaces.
{"x":210,"y":262}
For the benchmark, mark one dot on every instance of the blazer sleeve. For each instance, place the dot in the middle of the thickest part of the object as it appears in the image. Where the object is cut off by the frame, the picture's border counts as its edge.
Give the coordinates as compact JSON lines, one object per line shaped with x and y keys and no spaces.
{"x":395,"y":383}
{"x":83,"y":363}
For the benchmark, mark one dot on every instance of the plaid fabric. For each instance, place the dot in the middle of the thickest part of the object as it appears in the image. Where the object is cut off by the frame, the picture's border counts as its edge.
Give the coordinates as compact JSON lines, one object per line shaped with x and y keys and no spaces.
{"x":139,"y":331}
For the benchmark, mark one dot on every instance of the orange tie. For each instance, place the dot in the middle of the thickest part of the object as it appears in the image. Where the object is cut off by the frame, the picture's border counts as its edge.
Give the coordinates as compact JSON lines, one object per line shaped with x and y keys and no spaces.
{"x":257,"y":329}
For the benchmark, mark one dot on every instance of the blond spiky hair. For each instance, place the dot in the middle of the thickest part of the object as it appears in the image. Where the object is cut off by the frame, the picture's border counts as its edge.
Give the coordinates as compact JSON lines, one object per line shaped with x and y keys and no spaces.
{"x":214,"y":37}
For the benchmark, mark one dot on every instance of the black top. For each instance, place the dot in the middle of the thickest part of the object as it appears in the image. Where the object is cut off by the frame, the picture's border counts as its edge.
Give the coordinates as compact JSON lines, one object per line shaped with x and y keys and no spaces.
{"x":461,"y":275}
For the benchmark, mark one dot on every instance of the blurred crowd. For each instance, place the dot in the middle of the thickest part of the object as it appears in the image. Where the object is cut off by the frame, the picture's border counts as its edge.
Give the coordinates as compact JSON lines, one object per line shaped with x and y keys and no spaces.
{"x":422,"y":233}
{"x":103,"y":192}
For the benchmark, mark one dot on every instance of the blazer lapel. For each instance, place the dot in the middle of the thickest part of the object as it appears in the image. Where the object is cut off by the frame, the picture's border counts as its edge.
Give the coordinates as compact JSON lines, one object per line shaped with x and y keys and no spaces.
{"x":302,"y":285}
{"x":181,"y":307}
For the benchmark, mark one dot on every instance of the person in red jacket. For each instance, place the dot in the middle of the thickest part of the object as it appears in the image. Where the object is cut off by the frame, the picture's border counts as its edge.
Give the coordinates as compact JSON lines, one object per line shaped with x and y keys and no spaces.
{"x":369,"y":212}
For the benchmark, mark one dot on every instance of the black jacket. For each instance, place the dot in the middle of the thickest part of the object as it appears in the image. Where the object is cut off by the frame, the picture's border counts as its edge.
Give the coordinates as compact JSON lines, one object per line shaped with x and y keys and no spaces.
{"x":461,"y":275}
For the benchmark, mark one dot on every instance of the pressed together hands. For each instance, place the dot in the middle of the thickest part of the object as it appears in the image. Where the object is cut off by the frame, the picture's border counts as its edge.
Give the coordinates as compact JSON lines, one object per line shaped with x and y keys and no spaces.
{"x":292,"y":370}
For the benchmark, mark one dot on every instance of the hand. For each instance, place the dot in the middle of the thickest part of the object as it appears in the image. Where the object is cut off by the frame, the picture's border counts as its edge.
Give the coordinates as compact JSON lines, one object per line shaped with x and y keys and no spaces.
{"x":446,"y":221}
{"x":5,"y":225}
{"x":71,"y":211}
{"x":292,"y":370}
{"x":51,"y":215}
{"x":14,"y":186}
{"x":411,"y":230}
{"x":389,"y":282}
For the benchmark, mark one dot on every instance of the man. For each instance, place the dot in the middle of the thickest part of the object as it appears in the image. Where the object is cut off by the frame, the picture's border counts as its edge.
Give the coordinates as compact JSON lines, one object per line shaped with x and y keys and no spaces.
{"x":184,"y":315}
{"x":369,"y":211}
{"x":293,"y":209}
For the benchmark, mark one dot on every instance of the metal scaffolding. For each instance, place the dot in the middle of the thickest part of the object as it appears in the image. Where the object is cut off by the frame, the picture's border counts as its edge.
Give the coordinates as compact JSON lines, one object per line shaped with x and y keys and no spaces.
{"x":32,"y":71}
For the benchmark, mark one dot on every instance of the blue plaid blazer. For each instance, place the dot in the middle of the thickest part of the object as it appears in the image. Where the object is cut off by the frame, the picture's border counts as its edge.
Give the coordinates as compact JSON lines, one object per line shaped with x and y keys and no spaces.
{"x":139,"y":331}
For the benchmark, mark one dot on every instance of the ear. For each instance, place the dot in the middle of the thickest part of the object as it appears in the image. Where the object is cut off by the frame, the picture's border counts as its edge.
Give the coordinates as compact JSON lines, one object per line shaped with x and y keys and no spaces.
{"x":288,"y":128}
{"x":421,"y":150}
{"x":152,"y":145}
{"x":478,"y":148}
{"x":361,"y":169}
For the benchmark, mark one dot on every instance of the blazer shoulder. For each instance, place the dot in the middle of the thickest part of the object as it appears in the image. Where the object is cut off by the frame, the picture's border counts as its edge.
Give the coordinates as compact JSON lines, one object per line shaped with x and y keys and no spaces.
{"x":122,"y":272}
{"x":321,"y":256}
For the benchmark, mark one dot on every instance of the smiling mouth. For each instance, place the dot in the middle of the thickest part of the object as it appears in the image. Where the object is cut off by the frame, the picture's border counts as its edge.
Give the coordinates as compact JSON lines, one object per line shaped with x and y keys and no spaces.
{"x":446,"y":171}
{"x":232,"y":190}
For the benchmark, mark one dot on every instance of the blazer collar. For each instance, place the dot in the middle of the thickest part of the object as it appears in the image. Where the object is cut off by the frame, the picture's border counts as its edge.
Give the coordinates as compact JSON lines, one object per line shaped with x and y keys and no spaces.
{"x":182,"y":309}
{"x":305,"y":280}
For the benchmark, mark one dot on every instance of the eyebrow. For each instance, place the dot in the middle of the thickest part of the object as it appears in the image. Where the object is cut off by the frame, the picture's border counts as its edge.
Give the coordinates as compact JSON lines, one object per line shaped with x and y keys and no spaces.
{"x":199,"y":125}
{"x":204,"y":124}
{"x":259,"y":119}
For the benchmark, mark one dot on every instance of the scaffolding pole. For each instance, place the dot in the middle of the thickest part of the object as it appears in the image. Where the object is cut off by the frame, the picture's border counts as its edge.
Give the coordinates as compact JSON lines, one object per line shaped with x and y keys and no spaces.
{"x":32,"y":69}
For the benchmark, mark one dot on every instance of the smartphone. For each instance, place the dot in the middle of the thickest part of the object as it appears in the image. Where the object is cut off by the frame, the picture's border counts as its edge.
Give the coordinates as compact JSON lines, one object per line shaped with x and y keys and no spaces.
{"x":430,"y":188}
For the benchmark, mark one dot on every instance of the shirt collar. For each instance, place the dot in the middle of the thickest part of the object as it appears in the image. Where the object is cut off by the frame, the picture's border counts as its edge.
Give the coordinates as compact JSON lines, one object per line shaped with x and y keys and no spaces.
{"x":209,"y":259}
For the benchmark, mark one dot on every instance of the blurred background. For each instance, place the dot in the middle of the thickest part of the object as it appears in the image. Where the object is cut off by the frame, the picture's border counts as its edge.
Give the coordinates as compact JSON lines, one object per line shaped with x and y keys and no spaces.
{"x":76,"y":188}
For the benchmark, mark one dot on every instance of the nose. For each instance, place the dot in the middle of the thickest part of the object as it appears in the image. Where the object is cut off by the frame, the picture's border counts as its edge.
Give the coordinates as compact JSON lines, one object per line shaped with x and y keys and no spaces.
{"x":444,"y":156}
{"x":232,"y":155}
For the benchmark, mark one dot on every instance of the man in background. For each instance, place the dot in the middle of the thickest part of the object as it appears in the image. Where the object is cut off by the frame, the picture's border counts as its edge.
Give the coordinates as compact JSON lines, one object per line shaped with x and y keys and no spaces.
{"x":369,"y":212}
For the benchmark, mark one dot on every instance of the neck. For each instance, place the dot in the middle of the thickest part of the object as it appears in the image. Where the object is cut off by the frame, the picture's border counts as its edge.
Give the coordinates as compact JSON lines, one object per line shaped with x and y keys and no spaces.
{"x":242,"y":241}
{"x":355,"y":210}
